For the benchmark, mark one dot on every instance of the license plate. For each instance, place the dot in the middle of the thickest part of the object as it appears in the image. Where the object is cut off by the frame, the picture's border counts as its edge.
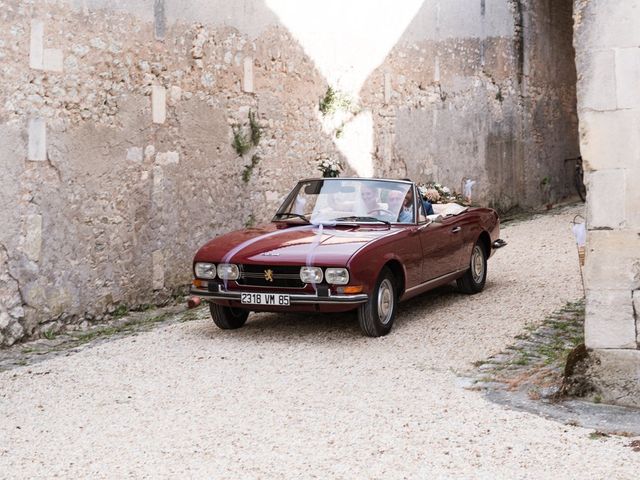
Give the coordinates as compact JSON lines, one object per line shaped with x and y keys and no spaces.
{"x":277,"y":299}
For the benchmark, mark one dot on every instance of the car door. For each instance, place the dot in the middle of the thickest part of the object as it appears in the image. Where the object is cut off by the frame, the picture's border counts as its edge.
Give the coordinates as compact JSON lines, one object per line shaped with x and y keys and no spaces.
{"x":469,"y":232}
{"x":441,"y":244}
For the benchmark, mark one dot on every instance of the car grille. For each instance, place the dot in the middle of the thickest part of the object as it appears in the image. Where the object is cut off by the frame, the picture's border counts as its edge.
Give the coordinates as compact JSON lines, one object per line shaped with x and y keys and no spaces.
{"x":283,"y":277}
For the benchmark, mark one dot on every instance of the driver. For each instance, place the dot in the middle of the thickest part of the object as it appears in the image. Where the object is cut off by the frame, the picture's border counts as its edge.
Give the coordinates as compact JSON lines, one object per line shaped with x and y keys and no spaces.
{"x":396,"y":207}
{"x":369,"y":195}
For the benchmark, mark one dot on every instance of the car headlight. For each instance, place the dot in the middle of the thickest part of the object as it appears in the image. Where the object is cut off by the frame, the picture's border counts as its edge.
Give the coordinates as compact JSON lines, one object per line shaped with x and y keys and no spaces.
{"x":228,"y":271}
{"x":311,"y":274}
{"x":205,"y":270}
{"x":337,"y":276}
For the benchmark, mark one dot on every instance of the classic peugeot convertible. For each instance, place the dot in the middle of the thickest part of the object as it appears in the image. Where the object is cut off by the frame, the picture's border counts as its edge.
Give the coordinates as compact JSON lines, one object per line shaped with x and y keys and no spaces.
{"x":340,"y":244}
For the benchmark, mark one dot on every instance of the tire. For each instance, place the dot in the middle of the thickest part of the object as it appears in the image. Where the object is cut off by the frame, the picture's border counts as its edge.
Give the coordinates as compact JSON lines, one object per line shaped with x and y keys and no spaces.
{"x":377,"y":315}
{"x":475,"y":277}
{"x":228,"y":318}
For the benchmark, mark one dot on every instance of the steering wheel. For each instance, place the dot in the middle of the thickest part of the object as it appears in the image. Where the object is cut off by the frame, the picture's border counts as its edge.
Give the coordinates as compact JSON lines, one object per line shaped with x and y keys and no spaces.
{"x":380,"y":210}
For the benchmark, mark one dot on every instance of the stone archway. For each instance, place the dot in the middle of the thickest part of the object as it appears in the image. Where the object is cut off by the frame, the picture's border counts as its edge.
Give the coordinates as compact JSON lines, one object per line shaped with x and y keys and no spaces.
{"x":607,"y":43}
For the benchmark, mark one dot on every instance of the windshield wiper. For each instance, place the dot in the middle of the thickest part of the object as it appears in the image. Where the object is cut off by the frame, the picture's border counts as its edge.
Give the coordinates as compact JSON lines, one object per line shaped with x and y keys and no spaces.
{"x":291,"y":214}
{"x":361,"y":219}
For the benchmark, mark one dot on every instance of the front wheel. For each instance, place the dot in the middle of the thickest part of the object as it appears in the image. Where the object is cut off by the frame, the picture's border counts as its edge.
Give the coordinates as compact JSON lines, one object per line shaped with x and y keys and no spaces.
{"x":377,"y":315}
{"x":475,"y":277}
{"x":228,"y":318}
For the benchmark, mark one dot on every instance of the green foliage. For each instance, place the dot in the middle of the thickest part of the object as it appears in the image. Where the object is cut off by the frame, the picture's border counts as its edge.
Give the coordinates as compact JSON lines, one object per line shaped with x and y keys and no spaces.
{"x":334,"y":100}
{"x":248,"y":170}
{"x":243,"y":139}
{"x":251,"y":221}
{"x":241,"y":143}
{"x":256,"y":130}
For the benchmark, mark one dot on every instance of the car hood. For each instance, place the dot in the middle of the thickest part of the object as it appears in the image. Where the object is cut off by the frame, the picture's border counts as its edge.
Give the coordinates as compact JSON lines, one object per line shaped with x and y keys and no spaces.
{"x":294,"y":245}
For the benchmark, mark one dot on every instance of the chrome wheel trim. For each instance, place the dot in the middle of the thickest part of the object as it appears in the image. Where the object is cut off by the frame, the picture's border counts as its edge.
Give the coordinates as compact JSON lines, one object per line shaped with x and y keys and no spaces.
{"x":477,"y":264}
{"x":385,"y":301}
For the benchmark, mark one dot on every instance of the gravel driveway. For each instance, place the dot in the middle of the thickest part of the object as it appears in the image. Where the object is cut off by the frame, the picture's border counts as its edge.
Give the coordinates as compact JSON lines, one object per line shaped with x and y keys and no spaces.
{"x":298,"y":396}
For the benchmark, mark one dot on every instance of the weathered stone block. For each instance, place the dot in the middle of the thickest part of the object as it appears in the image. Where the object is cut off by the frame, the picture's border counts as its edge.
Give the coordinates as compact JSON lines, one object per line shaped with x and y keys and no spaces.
{"x":134,"y":154}
{"x":37,"y":139}
{"x":612,"y":260}
{"x":387,"y":88}
{"x":158,"y":184}
{"x":33,"y":237}
{"x":158,"y":104}
{"x":609,"y":24}
{"x":52,"y":60}
{"x":628,"y":77}
{"x":609,"y":184}
{"x":149,"y":152}
{"x":5,"y":319}
{"x":609,"y":320}
{"x":247,"y":84}
{"x":158,"y":270}
{"x":615,"y":374}
{"x":167,"y":158}
{"x":36,"y":46}
{"x":610,"y":139}
{"x":159,"y":19}
{"x":632,"y":205}
{"x":597,"y":84}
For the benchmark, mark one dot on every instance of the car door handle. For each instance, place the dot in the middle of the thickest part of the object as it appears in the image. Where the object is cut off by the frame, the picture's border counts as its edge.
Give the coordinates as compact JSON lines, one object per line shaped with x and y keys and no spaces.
{"x":418,"y":229}
{"x":456,"y":229}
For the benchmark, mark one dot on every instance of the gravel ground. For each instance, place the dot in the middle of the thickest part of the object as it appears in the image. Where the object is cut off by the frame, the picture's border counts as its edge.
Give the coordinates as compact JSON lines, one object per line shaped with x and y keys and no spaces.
{"x":293,"y":396}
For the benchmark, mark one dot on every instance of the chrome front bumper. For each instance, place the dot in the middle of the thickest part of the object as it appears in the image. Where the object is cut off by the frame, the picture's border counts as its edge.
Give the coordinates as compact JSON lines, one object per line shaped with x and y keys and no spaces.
{"x":294,"y":298}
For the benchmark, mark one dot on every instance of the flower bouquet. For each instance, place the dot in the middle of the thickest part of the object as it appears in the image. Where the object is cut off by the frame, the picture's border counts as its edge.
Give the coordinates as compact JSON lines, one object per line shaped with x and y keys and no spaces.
{"x":329,"y":167}
{"x":437,"y":193}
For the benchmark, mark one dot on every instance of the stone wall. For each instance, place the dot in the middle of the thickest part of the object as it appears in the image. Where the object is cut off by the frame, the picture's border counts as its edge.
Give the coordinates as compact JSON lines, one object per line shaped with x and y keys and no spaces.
{"x":608,"y":59}
{"x":117,"y":120}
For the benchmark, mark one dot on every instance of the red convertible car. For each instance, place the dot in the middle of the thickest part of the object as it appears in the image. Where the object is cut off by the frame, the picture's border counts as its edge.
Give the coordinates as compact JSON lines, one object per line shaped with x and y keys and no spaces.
{"x":340,"y":244}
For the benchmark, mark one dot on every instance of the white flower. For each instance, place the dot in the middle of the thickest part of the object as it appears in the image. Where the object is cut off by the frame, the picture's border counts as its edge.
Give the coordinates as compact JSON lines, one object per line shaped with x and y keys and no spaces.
{"x":446,"y":190}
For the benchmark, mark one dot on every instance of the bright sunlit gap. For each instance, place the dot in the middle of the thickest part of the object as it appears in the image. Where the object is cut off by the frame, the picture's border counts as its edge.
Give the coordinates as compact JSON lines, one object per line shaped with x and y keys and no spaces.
{"x":348,"y":40}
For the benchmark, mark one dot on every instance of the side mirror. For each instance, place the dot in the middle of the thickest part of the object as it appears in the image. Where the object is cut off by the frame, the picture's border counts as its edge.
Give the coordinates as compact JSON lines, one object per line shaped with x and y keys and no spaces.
{"x":436,"y":218}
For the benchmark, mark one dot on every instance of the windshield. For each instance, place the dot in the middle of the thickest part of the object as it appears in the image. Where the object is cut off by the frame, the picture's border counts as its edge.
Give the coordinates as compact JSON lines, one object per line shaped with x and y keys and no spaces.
{"x":349,"y":200}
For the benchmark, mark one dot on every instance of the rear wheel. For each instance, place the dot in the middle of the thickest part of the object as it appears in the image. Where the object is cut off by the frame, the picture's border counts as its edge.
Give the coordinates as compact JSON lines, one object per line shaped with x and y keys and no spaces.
{"x":377,"y":315}
{"x":228,"y":318}
{"x":475,"y":277}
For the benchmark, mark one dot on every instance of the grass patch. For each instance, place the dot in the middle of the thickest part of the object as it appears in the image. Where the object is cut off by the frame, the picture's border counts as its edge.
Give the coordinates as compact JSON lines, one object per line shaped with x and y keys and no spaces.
{"x":120,"y":311}
{"x":539,"y":358}
{"x":49,"y":334}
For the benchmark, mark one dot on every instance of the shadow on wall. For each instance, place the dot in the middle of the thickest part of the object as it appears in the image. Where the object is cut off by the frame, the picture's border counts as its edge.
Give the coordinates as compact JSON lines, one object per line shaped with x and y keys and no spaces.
{"x":455,"y":105}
